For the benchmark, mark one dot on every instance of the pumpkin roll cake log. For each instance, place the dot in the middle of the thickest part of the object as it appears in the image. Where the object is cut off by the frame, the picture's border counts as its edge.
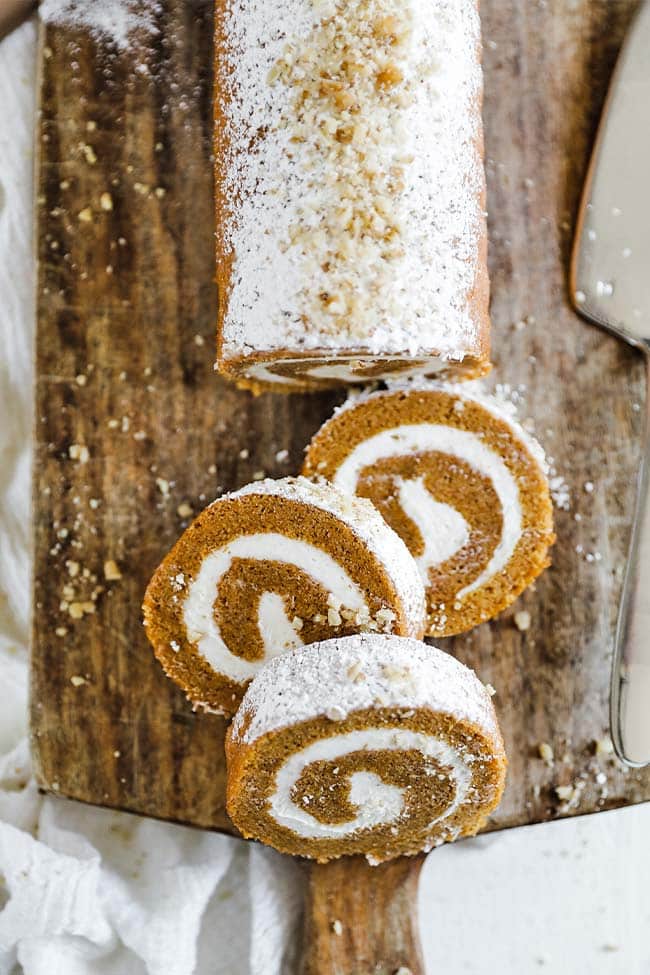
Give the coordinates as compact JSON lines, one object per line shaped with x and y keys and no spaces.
{"x":370,"y":744}
{"x":459,"y":480}
{"x":350,"y":191}
{"x":269,"y":568}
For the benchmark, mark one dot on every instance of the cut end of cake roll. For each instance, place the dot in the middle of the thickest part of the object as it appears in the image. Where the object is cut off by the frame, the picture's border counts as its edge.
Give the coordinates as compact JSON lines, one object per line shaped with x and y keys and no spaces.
{"x":272,"y":567}
{"x":350,"y":192}
{"x":459,"y":480}
{"x":323,"y":369}
{"x":373,"y":745}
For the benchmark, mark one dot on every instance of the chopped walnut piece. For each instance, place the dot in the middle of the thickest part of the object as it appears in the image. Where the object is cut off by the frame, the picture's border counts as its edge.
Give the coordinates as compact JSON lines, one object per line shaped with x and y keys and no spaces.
{"x":335,"y":713}
{"x":546,"y":753}
{"x":354,"y":670}
{"x":386,"y":28}
{"x":565,"y":792}
{"x":80,"y":452}
{"x":395,"y":674}
{"x":604,"y":746}
{"x":385,"y":619}
{"x":334,"y":618}
{"x":112,"y":571}
{"x":78,"y":610}
{"x":89,"y":154}
{"x":163,"y":486}
{"x":390,"y":76}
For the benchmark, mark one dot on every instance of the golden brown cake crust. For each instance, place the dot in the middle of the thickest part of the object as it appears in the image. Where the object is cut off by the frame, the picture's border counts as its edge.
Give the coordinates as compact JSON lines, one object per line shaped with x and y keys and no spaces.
{"x":462,"y":488}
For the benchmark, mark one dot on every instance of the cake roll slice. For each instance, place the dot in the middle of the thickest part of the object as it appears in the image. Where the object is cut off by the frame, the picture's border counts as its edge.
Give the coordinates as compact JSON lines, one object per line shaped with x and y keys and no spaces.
{"x":459,"y":480}
{"x":350,"y":191}
{"x":370,"y":744}
{"x":272,"y":567}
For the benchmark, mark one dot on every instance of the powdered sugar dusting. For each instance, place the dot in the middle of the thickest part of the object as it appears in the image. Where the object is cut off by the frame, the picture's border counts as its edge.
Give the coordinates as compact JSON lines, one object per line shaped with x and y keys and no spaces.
{"x":356,"y":217}
{"x":366,"y":522}
{"x":359,"y":672}
{"x":474,"y":391}
{"x":111,"y":20}
{"x":505,"y":402}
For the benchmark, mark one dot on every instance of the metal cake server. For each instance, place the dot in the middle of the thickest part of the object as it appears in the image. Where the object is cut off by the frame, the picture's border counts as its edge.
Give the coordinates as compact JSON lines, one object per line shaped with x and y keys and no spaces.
{"x":610,"y":285}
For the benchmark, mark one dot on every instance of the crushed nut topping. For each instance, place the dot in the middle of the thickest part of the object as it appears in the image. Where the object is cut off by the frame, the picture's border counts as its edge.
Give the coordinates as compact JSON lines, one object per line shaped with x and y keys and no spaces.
{"x":349,"y":83}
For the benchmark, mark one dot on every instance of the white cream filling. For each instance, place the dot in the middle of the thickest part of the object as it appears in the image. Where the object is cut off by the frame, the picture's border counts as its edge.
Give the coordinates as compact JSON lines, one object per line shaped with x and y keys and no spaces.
{"x":422,"y":437}
{"x":276,"y":630}
{"x":275,"y":627}
{"x":452,"y":531}
{"x":378,"y":802}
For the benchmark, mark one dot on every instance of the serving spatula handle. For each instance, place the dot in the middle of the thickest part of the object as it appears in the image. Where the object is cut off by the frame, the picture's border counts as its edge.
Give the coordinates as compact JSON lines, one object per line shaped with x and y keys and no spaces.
{"x":362,"y":920}
{"x":630,"y":696}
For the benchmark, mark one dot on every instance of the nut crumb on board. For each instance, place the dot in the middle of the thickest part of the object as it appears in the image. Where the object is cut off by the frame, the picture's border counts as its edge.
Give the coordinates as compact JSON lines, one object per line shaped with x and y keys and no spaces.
{"x":77,"y":610}
{"x":522,"y":620}
{"x":112,"y":571}
{"x":604,"y":746}
{"x":163,"y":486}
{"x":546,"y":753}
{"x":79,"y":451}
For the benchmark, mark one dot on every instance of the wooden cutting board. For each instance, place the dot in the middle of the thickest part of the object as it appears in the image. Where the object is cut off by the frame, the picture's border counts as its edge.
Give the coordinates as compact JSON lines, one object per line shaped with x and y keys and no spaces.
{"x":132,"y":425}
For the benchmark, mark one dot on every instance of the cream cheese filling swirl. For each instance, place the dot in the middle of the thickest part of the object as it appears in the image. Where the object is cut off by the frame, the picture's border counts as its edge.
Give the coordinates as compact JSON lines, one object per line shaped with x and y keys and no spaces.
{"x":276,"y":629}
{"x":444,"y":531}
{"x":378,"y":803}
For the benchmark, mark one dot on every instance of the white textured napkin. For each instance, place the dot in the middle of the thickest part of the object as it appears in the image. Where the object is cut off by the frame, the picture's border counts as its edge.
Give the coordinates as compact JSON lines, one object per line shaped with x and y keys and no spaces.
{"x":87,"y":891}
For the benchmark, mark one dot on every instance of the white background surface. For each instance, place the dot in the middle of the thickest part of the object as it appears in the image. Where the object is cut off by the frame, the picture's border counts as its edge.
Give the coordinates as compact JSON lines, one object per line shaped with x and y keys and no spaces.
{"x":88,"y":892}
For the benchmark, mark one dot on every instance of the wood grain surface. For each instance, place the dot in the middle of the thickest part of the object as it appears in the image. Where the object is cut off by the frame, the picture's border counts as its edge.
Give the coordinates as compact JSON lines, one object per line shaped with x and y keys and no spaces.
{"x":132,"y":425}
{"x":362,"y":919}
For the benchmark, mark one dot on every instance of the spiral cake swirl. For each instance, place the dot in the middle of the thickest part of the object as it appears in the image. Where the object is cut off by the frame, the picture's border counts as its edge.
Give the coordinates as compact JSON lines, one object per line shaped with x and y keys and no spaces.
{"x":461,"y":483}
{"x":267,"y":569}
{"x":370,"y":744}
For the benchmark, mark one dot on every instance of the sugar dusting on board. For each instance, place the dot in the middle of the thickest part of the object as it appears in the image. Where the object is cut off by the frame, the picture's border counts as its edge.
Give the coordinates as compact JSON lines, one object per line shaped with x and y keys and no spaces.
{"x":108,"y":20}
